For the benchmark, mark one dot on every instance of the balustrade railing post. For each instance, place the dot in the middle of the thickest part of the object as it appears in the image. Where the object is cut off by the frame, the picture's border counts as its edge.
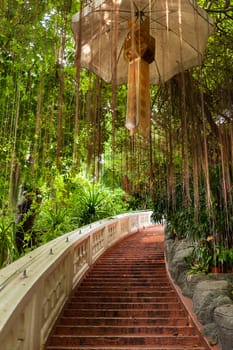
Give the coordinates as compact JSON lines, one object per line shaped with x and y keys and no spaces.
{"x":90,"y":249}
{"x":105,"y":238}
{"x":37,"y":324}
{"x":129,"y":225}
{"x":70,"y":272}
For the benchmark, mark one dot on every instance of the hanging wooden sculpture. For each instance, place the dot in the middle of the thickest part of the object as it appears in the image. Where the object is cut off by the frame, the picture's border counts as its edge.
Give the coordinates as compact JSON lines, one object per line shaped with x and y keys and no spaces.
{"x":139,"y":51}
{"x":180,"y":28}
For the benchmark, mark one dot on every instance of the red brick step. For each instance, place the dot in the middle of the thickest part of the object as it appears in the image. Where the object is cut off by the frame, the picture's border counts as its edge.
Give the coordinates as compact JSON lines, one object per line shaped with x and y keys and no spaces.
{"x":119,"y":330}
{"x":123,"y":322}
{"x":134,"y":347}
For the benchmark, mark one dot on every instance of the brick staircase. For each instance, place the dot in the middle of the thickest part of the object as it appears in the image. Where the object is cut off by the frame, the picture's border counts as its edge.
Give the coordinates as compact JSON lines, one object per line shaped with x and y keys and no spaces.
{"x":127,"y":302}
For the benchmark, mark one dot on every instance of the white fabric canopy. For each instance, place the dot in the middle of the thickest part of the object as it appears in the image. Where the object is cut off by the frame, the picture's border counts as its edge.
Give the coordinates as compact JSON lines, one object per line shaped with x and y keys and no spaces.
{"x":180,"y":28}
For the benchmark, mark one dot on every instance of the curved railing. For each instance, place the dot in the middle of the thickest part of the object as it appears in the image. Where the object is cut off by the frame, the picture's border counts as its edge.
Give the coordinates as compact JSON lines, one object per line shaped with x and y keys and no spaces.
{"x":34,"y":288}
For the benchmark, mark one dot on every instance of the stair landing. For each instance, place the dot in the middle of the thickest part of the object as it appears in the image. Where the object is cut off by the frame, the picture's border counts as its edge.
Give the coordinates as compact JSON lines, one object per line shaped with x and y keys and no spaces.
{"x":127,"y":302}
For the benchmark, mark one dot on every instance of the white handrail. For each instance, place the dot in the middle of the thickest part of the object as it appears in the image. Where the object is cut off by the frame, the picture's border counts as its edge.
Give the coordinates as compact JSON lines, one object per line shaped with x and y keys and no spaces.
{"x":34,"y":289}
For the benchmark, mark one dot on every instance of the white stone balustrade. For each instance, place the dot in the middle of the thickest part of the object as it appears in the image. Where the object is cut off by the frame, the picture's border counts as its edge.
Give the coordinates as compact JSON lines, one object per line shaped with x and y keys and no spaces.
{"x":34,"y":288}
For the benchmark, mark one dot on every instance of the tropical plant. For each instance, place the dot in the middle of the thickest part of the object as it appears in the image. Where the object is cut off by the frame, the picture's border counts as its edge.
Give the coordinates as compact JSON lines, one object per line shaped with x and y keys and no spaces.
{"x":94,"y":203}
{"x":230,"y":258}
{"x":53,"y":221}
{"x":8,"y":250}
{"x":220,"y":257}
{"x":200,"y":259}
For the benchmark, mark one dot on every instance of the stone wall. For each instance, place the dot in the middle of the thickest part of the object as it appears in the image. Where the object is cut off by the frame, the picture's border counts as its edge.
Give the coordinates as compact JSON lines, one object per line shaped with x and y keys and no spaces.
{"x":211,"y":294}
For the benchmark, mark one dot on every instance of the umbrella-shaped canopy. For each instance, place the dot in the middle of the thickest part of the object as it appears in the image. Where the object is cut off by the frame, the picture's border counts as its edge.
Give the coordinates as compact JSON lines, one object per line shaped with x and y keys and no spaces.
{"x":174,"y":32}
{"x":180,"y":28}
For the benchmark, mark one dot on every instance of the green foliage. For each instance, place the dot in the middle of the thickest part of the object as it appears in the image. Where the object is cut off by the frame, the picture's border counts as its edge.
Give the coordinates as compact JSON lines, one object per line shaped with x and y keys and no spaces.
{"x":200,"y":260}
{"x":53,"y":220}
{"x":159,"y":209}
{"x":74,"y":202}
{"x":230,"y":258}
{"x":7,"y":246}
{"x":206,"y":254}
{"x":110,"y":178}
{"x":94,"y":204}
{"x":140,"y":201}
{"x":220,"y":256}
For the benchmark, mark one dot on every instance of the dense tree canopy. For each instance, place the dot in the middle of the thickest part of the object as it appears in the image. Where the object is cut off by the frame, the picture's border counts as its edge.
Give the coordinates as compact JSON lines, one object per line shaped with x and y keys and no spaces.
{"x":64,"y":148}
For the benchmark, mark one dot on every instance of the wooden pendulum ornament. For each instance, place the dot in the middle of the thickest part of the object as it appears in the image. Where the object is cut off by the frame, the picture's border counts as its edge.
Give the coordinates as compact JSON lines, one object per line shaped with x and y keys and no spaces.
{"x":139,"y":51}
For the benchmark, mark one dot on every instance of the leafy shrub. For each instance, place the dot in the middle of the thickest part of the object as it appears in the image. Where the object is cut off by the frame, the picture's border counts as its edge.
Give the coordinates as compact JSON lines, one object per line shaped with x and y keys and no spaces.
{"x":93,"y":202}
{"x":7,"y":246}
{"x":75,"y":202}
{"x":53,"y":220}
